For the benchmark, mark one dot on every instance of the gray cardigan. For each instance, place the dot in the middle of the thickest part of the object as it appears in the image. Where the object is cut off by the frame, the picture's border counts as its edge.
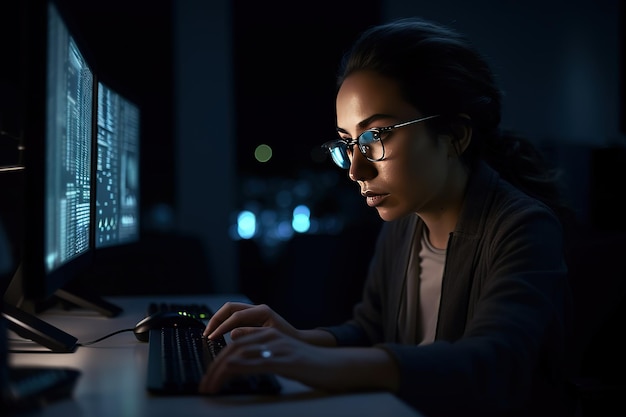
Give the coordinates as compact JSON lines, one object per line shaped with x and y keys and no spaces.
{"x":503,"y":319}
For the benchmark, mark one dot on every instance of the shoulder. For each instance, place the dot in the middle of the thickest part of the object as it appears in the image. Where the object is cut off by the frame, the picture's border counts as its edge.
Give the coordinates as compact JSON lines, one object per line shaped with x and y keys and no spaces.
{"x":492,"y":204}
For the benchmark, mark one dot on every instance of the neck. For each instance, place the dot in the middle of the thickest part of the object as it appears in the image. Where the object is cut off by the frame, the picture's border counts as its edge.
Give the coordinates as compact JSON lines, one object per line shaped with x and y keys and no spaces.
{"x":442,"y":215}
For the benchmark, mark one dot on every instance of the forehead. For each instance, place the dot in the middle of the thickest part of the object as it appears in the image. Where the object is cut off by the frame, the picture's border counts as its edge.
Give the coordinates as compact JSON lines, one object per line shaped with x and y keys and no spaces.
{"x":365,"y":94}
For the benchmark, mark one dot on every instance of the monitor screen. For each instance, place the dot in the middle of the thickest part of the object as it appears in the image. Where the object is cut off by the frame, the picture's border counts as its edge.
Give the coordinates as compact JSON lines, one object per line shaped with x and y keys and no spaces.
{"x":59,"y":140}
{"x":68,"y":144}
{"x":58,"y":87}
{"x":117,"y":169}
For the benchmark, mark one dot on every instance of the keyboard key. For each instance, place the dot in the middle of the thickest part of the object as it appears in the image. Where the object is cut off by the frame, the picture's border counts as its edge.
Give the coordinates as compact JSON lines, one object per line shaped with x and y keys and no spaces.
{"x":178,"y":357}
{"x":198,"y":311}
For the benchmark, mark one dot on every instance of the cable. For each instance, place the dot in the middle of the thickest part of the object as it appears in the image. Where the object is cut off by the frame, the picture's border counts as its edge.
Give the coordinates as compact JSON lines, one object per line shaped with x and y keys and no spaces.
{"x":104,"y":337}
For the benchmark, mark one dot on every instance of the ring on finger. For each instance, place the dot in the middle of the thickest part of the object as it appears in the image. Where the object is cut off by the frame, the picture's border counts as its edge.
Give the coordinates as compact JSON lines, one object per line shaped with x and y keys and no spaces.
{"x":265,"y":353}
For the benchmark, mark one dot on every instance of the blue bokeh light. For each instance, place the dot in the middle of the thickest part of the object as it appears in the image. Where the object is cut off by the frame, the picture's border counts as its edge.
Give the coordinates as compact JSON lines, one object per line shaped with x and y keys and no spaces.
{"x":301,"y":221}
{"x":246,"y":224}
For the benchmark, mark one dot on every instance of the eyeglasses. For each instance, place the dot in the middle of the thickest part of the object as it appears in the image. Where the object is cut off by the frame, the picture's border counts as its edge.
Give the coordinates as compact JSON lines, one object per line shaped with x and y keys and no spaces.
{"x":370,"y":144}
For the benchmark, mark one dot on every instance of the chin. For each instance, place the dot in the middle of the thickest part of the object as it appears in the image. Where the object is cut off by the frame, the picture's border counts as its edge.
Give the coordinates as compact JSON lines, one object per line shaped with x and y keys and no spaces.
{"x":390,"y":215}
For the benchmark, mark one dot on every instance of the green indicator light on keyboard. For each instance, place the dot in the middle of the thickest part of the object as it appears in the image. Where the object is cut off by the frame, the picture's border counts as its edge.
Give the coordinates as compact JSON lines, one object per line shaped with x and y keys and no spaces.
{"x":203,"y":316}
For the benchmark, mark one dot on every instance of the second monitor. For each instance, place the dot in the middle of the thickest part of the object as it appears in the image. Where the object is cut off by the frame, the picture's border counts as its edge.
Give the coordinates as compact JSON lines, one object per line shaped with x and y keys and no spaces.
{"x":117,"y":172}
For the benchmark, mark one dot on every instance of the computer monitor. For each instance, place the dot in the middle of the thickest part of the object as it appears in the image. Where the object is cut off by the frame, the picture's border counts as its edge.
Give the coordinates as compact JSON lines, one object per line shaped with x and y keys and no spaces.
{"x":117,"y":170}
{"x":59,"y":136}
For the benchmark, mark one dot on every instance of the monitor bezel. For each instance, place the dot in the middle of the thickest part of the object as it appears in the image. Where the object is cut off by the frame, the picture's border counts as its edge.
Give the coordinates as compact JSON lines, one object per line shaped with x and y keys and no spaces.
{"x":38,"y":284}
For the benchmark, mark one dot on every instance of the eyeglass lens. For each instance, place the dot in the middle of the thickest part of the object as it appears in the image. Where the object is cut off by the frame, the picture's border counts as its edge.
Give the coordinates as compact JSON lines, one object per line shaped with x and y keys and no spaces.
{"x":369,"y":144}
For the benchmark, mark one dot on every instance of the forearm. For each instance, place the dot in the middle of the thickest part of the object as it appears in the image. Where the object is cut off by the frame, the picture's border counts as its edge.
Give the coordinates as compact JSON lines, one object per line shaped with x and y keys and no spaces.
{"x":353,"y":368}
{"x":317,"y":337}
{"x":362,"y":368}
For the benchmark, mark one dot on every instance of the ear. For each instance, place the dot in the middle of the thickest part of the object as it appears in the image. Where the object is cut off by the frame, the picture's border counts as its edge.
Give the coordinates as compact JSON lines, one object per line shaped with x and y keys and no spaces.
{"x":461,"y":135}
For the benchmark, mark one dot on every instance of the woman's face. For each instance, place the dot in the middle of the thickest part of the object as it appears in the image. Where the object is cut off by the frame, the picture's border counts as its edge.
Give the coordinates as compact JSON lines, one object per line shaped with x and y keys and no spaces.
{"x":414,"y":174}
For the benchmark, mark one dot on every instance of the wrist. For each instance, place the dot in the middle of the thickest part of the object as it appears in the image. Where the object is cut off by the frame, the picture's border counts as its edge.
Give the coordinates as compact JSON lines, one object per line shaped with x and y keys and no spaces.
{"x":317,"y":337}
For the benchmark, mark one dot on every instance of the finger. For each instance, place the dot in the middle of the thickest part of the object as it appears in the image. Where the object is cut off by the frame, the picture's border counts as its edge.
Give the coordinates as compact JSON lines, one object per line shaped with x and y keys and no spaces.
{"x":240,"y":332}
{"x":222,"y":314}
{"x":254,"y":335}
{"x":250,"y":316}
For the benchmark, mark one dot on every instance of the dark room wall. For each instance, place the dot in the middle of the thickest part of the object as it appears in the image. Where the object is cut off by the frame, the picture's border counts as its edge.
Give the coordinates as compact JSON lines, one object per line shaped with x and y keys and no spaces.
{"x":560,"y":66}
{"x":558,"y":62}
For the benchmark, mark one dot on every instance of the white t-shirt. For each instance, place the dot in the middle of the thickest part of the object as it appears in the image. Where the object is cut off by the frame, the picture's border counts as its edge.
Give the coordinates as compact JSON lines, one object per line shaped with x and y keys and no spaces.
{"x":420,"y":318}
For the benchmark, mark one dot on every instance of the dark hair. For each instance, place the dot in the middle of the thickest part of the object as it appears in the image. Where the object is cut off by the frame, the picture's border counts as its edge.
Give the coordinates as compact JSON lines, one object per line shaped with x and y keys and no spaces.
{"x":440,"y":72}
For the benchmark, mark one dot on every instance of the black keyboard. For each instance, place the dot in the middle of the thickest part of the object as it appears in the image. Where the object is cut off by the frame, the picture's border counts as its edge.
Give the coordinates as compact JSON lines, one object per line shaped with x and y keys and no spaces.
{"x":178,"y":357}
{"x":198,"y":311}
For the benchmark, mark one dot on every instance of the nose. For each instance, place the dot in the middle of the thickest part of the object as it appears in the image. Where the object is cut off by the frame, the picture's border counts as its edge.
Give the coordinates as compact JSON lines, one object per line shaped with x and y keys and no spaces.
{"x":361,"y":169}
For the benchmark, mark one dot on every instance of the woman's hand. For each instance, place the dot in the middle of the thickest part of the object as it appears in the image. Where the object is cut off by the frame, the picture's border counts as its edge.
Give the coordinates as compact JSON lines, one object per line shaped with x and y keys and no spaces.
{"x":268,"y":350}
{"x":241,"y":319}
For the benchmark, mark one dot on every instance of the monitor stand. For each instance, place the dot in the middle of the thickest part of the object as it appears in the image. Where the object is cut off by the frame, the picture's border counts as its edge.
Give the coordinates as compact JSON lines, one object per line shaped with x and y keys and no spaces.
{"x":30,"y":327}
{"x":21,"y":314}
{"x":82,"y":297}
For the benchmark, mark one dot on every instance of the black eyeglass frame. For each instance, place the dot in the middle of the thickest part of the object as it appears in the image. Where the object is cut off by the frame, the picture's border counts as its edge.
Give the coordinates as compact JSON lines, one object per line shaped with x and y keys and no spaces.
{"x":377,"y":133}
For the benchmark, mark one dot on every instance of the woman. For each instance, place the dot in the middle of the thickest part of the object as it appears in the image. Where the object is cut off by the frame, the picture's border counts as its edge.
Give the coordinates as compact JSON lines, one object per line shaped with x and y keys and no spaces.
{"x":465,"y":305}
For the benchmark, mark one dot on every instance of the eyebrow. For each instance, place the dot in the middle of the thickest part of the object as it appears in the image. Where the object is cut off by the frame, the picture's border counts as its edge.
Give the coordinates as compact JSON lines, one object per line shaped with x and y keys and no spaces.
{"x":366,"y":122}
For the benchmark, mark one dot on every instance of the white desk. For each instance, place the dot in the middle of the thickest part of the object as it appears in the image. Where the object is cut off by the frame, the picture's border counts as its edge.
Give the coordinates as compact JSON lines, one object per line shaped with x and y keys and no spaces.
{"x":113,"y":377}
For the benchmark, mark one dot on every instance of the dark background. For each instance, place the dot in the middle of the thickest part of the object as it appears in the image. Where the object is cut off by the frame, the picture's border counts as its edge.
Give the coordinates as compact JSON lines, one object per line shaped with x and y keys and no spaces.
{"x":284,"y":55}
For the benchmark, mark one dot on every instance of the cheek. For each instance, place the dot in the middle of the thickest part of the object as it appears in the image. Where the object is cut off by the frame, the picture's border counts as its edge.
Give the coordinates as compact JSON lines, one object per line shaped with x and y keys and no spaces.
{"x":422,"y":162}
{"x":420,"y":172}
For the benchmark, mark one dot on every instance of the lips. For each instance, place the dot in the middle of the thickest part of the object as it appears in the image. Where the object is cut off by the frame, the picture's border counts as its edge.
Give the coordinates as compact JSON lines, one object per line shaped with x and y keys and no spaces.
{"x":373,"y":199}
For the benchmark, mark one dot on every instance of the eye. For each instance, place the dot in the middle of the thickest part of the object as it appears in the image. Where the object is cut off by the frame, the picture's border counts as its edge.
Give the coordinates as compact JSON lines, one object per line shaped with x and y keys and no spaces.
{"x":368,"y":137}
